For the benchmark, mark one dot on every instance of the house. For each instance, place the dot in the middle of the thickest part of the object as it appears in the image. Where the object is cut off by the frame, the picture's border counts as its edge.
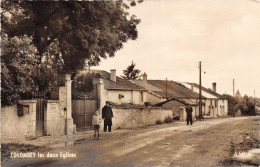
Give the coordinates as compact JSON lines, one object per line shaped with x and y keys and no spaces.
{"x":215,"y":104}
{"x":118,"y":90}
{"x":170,"y":95}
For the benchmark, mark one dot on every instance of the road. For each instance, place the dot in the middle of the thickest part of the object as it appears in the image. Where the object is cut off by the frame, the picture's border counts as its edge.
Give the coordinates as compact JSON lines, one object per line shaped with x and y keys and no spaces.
{"x":205,"y":143}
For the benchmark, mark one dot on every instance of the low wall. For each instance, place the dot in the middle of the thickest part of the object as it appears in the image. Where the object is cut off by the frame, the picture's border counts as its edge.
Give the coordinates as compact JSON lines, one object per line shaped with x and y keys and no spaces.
{"x":132,"y":118}
{"x":14,"y":126}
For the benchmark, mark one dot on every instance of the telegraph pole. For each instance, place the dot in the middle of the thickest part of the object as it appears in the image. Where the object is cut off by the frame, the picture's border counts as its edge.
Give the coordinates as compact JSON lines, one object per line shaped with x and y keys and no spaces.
{"x":200,"y":102}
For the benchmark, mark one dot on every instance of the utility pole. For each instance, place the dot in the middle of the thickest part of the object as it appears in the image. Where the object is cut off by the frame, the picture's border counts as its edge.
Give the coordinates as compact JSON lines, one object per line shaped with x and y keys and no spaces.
{"x":233,"y":87}
{"x":166,"y":90}
{"x":200,"y":102}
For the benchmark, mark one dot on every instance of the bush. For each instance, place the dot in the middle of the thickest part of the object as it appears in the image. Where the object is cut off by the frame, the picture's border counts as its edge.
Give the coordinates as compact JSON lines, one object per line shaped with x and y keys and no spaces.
{"x":159,"y":121}
{"x":168,"y":119}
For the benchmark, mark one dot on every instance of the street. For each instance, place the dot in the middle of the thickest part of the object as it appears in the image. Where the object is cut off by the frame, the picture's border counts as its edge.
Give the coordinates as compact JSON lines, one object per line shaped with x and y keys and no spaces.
{"x":206,"y":143}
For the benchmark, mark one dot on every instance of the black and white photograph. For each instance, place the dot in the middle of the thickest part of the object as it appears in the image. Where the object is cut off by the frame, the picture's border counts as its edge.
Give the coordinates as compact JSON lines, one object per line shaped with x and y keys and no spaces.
{"x":130,"y":83}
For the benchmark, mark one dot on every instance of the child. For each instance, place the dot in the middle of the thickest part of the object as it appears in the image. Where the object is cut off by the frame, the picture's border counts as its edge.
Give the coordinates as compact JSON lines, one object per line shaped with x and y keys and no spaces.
{"x":96,"y":120}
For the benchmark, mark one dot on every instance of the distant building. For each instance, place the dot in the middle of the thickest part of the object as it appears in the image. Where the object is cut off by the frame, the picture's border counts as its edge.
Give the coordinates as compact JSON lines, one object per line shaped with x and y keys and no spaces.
{"x":215,"y":104}
{"x":238,"y":95}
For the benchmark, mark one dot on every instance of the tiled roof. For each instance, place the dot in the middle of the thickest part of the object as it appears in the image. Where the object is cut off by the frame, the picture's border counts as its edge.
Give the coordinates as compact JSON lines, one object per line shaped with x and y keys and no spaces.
{"x":174,"y":89}
{"x":206,"y":90}
{"x":120,"y":84}
{"x":150,"y":87}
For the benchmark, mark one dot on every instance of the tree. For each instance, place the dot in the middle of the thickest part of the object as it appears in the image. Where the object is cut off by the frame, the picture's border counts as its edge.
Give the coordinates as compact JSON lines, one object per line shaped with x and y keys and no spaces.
{"x":18,"y":63}
{"x":58,"y":37}
{"x":83,"y":31}
{"x":245,"y":105}
{"x":131,"y":72}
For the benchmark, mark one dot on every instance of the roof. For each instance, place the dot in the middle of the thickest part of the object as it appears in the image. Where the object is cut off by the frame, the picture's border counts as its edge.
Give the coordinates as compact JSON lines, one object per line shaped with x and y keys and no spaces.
{"x":238,"y":94}
{"x":120,"y":84}
{"x":207,"y":90}
{"x":174,"y":89}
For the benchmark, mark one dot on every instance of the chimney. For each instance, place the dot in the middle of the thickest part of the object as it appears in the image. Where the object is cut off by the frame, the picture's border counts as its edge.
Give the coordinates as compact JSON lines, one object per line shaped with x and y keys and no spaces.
{"x":145,"y":80}
{"x":113,"y":75}
{"x":192,"y":87}
{"x":214,"y":87}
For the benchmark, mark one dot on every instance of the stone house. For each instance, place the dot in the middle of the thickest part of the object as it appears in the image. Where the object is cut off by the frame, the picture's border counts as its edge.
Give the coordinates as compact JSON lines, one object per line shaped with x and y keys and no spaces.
{"x":215,"y":104}
{"x":118,"y":90}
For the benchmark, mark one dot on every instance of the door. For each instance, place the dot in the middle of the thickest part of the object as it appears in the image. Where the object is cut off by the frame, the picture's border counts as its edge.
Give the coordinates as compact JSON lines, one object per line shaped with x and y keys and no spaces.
{"x":40,"y":97}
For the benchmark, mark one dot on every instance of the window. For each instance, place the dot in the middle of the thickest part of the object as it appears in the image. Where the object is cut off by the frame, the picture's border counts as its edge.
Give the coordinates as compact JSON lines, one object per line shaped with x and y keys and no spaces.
{"x":141,"y":96}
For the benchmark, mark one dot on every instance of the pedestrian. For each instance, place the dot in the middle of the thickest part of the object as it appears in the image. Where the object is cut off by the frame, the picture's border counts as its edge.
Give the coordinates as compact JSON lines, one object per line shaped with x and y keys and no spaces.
{"x":107,"y":115}
{"x":96,"y":121}
{"x":189,"y":114}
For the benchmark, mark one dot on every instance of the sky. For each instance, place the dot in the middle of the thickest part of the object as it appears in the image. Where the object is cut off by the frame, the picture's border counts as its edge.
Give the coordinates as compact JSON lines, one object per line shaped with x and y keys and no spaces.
{"x":174,"y":35}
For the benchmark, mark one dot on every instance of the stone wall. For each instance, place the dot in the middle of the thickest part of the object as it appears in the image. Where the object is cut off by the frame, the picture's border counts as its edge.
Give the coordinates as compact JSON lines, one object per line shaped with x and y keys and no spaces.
{"x":14,"y":126}
{"x":55,"y":118}
{"x":132,"y":118}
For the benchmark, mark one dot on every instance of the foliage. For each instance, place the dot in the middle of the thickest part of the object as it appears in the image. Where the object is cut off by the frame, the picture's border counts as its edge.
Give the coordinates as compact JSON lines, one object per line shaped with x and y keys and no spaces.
{"x":131,"y":72}
{"x":245,"y":104}
{"x":83,"y":31}
{"x":18,"y":63}
{"x":231,"y":104}
{"x":84,"y":82}
{"x":168,"y":119}
{"x":159,"y":121}
{"x":47,"y":38}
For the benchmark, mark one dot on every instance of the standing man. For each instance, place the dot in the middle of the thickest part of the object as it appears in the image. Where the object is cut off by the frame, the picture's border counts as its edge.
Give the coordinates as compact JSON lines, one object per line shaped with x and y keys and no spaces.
{"x":189,"y":114}
{"x":107,"y":114}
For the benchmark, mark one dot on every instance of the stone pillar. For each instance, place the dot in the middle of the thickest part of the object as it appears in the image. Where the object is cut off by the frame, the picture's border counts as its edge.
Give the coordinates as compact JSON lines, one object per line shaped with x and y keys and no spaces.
{"x":101,"y":93}
{"x":70,"y":127}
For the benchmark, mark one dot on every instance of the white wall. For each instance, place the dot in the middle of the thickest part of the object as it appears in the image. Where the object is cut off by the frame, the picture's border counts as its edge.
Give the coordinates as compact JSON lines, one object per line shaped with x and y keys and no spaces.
{"x":18,"y":127}
{"x":222,"y":107}
{"x":129,"y":96}
{"x":54,"y":118}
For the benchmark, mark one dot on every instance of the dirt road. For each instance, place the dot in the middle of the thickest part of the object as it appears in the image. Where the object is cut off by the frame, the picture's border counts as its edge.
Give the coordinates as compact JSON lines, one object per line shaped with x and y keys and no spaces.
{"x":206,"y":143}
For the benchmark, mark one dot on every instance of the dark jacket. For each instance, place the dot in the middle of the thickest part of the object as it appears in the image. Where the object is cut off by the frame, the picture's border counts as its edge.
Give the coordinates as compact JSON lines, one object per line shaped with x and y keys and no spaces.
{"x":189,"y":112}
{"x":107,"y":114}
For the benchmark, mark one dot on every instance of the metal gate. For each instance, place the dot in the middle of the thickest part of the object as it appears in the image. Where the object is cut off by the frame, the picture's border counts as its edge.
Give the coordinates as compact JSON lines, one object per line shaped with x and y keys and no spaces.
{"x":40,"y":97}
{"x":84,"y":106}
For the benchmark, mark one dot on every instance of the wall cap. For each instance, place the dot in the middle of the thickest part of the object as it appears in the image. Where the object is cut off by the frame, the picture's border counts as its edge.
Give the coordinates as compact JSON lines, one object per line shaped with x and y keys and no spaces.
{"x":52,"y":101}
{"x":27,"y":101}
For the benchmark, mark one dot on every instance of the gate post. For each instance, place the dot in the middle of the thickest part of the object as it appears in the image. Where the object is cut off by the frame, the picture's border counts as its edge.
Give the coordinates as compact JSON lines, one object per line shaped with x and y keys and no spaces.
{"x":101,"y":94}
{"x":70,"y":127}
{"x":101,"y":99}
